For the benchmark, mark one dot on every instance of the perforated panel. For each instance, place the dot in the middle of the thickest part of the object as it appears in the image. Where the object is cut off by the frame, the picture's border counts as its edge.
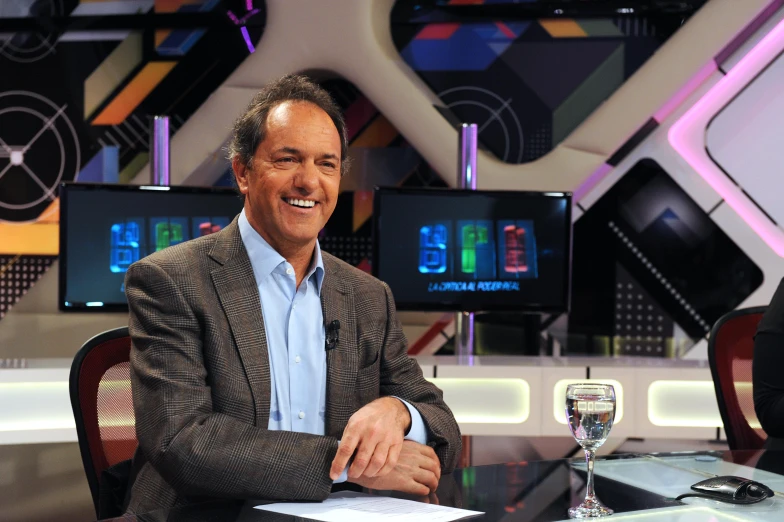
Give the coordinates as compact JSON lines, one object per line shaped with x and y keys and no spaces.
{"x":741,"y":376}
{"x":116,"y":420}
{"x":17,"y":275}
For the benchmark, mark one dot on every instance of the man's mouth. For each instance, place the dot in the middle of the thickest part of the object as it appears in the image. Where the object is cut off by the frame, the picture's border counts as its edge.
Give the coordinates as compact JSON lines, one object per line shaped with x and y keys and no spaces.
{"x":301,"y":203}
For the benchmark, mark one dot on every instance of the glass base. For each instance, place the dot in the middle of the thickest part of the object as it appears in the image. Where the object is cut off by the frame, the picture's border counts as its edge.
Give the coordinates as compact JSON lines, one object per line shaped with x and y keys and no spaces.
{"x":590,"y":509}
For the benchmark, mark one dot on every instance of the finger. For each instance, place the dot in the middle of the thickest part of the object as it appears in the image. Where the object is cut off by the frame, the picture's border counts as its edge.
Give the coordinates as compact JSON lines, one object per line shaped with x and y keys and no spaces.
{"x":392,"y":460}
{"x":362,"y":458}
{"x":378,"y":460}
{"x":428,"y":461}
{"x":434,"y":499}
{"x":436,"y":463}
{"x":415,"y":488}
{"x":427,"y":479}
{"x":346,"y":449}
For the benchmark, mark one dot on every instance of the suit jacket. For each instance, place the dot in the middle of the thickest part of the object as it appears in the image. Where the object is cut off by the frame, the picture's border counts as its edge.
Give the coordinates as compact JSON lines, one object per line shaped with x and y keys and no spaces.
{"x":201,"y":378}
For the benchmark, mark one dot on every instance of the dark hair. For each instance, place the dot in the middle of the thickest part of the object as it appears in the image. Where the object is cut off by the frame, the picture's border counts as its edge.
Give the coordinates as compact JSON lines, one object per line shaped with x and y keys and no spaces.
{"x":250,"y":128}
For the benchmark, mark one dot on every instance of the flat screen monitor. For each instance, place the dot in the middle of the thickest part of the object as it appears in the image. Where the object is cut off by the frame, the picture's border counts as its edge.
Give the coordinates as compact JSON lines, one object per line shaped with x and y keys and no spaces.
{"x":104,"y":228}
{"x":462,"y":250}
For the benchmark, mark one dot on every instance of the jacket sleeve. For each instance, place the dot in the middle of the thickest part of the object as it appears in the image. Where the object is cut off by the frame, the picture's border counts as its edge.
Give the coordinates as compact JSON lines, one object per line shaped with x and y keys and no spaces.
{"x":402,"y":377}
{"x":195,"y":449}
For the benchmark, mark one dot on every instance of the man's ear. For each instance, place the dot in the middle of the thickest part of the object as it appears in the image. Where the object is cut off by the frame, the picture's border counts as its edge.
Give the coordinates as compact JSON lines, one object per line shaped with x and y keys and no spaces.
{"x":241,"y":172}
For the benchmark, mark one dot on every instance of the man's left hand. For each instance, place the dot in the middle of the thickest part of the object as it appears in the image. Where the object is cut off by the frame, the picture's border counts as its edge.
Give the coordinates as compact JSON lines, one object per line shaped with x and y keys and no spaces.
{"x":376,"y":433}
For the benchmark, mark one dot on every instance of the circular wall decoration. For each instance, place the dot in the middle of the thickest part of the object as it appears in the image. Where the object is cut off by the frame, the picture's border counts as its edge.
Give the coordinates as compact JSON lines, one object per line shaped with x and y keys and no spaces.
{"x":39,"y":148}
{"x":492,"y":114}
{"x":28,"y":47}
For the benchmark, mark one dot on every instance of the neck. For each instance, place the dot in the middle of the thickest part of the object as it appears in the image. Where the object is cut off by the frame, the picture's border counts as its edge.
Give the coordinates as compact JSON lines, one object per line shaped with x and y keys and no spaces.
{"x":300,"y":259}
{"x":299,"y":256}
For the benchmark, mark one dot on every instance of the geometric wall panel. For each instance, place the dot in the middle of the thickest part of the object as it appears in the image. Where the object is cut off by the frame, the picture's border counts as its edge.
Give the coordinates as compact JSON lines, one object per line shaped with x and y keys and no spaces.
{"x":17,"y":275}
{"x":648,"y":236}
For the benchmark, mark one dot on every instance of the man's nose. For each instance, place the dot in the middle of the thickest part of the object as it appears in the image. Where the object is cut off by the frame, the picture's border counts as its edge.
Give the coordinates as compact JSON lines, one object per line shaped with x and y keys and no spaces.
{"x":307,"y":176}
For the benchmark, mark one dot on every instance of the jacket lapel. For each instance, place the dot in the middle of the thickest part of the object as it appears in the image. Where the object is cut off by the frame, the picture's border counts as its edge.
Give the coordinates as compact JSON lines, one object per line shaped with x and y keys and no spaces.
{"x":337,"y":302}
{"x":235,"y":285}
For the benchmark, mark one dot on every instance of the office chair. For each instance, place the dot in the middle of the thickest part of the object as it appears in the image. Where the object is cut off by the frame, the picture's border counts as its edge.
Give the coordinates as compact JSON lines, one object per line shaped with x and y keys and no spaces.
{"x":100,"y":389}
{"x":730,"y":351}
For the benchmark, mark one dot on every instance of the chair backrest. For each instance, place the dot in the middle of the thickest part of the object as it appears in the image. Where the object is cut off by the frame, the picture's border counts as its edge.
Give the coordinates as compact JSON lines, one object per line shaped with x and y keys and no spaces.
{"x":100,"y":389}
{"x":730,"y":352}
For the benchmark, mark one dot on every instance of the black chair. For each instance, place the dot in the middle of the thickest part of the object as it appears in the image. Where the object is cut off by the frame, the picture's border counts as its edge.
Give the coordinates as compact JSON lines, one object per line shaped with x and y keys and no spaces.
{"x":730,"y":352}
{"x":100,"y":389}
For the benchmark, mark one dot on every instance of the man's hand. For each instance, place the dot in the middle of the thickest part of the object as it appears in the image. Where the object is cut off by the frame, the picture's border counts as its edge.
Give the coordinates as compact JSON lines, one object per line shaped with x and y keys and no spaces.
{"x":417,"y":472}
{"x":376,"y":433}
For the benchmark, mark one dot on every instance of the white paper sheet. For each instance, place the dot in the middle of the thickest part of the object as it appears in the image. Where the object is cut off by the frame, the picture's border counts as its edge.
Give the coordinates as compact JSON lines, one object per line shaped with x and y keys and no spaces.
{"x":348,"y":506}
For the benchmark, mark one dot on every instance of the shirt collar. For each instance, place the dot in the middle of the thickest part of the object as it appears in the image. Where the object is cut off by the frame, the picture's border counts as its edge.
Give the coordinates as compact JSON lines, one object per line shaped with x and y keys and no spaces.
{"x":264,"y":259}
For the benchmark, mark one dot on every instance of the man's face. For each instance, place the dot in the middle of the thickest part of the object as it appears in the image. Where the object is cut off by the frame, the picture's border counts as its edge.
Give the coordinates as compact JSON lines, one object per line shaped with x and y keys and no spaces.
{"x":292,"y":186}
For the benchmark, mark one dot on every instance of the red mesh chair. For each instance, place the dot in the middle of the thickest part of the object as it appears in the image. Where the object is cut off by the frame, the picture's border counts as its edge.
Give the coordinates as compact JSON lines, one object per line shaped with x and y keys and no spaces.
{"x":730,"y":350}
{"x":100,"y":388}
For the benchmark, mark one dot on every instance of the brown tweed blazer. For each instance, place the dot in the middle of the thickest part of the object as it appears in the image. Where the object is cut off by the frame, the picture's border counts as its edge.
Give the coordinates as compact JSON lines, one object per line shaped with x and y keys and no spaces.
{"x":201,"y":378}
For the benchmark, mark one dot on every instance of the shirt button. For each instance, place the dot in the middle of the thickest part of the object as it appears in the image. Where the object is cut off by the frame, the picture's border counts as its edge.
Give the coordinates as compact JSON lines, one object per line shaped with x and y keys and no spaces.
{"x":297,"y":359}
{"x":289,"y":271}
{"x":302,"y":415}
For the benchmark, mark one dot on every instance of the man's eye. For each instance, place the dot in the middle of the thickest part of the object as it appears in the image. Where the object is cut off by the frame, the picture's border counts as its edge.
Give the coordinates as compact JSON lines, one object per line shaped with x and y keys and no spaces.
{"x":286,"y":160}
{"x":329,"y":165}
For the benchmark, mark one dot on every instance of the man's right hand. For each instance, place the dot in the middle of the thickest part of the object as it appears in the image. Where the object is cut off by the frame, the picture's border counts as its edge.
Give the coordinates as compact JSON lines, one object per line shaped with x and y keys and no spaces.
{"x":417,"y":471}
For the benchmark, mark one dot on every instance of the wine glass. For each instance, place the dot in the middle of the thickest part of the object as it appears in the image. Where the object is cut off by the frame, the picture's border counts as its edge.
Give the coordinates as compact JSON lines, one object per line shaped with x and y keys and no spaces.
{"x":590,"y":412}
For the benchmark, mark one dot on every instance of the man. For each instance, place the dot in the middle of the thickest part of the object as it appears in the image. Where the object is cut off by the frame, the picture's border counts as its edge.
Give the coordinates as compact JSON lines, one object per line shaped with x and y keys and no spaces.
{"x":263,"y":367}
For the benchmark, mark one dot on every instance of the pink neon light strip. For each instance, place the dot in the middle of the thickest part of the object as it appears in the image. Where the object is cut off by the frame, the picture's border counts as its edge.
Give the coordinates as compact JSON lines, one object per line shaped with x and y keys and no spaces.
{"x":687,"y":135}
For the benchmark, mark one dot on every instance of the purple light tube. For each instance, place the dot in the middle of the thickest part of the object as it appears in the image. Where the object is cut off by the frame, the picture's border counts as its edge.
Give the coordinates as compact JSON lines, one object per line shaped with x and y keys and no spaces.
{"x":160,"y":165}
{"x":244,"y":31}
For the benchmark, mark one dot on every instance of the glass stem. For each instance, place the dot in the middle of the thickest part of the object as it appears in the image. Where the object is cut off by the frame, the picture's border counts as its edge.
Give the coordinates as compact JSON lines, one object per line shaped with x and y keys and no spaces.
{"x":590,"y":496}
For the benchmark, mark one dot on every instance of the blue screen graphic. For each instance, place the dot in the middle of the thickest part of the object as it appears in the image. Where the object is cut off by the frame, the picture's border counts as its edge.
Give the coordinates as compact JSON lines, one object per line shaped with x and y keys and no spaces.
{"x":432,"y":249}
{"x":124,"y":248}
{"x":135,"y":238}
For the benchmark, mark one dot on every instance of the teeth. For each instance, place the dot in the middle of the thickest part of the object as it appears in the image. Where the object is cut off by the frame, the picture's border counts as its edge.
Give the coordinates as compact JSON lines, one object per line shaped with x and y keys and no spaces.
{"x":301,"y":203}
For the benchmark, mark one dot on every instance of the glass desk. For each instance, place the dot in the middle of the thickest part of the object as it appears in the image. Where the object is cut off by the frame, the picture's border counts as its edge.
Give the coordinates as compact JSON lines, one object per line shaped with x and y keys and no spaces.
{"x":638,"y":487}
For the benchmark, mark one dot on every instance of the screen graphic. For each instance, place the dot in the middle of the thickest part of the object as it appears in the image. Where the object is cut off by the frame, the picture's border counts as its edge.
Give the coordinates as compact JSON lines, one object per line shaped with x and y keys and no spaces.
{"x":519,"y":249}
{"x":106,"y":228}
{"x":432,"y":248}
{"x":129,"y":244}
{"x":464,"y":250}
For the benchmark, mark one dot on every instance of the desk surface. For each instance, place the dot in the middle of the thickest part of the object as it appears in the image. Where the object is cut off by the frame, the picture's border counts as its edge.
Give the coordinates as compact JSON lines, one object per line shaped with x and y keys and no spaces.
{"x":638,"y":487}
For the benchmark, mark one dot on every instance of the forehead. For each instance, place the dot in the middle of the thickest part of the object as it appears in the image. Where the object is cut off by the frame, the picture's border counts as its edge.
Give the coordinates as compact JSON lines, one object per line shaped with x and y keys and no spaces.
{"x":298,"y":120}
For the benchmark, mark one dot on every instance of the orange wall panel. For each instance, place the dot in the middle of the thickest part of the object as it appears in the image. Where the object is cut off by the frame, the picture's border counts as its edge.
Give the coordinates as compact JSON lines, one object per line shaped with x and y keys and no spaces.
{"x":134,"y":93}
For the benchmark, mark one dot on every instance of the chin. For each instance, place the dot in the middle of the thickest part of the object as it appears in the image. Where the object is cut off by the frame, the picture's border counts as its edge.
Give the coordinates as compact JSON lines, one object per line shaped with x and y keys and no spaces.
{"x":301,"y":237}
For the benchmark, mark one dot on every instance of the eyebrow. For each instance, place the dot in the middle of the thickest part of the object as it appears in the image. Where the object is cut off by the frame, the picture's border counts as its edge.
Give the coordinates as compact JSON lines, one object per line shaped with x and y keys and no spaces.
{"x":297,"y":152}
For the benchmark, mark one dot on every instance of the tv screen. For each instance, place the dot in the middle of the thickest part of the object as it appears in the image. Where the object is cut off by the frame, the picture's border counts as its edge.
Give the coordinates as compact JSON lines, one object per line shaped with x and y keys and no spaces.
{"x":105,"y":228}
{"x":441,"y":249}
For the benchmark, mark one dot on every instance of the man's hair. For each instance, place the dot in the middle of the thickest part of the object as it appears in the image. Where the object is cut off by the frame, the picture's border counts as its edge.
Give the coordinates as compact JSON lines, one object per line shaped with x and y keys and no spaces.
{"x":250,"y":129}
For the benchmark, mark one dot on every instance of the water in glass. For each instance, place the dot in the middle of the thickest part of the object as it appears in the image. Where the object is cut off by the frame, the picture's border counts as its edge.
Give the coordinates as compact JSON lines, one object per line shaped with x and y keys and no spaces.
{"x":590,"y":418}
{"x":590,"y":412}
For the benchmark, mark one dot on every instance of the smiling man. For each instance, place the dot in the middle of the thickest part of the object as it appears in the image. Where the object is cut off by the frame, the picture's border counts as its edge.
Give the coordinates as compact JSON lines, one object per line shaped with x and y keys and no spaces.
{"x":263,"y":367}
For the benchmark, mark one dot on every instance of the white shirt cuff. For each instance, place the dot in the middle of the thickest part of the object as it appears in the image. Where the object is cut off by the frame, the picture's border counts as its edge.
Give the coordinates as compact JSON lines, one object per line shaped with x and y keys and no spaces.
{"x":343,"y":476}
{"x":417,"y":432}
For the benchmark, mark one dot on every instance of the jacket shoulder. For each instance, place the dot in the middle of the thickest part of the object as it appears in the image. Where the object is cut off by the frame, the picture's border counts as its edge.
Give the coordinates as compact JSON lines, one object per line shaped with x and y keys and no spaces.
{"x":352,"y":275}
{"x":186,"y":255}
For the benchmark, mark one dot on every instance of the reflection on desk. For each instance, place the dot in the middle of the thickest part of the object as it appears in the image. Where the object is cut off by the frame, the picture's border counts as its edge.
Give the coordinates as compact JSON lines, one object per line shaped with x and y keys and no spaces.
{"x":637,"y":487}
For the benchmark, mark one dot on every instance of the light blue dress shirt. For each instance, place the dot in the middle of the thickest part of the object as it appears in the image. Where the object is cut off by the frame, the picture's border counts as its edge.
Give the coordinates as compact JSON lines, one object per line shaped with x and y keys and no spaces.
{"x":294,"y":325}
